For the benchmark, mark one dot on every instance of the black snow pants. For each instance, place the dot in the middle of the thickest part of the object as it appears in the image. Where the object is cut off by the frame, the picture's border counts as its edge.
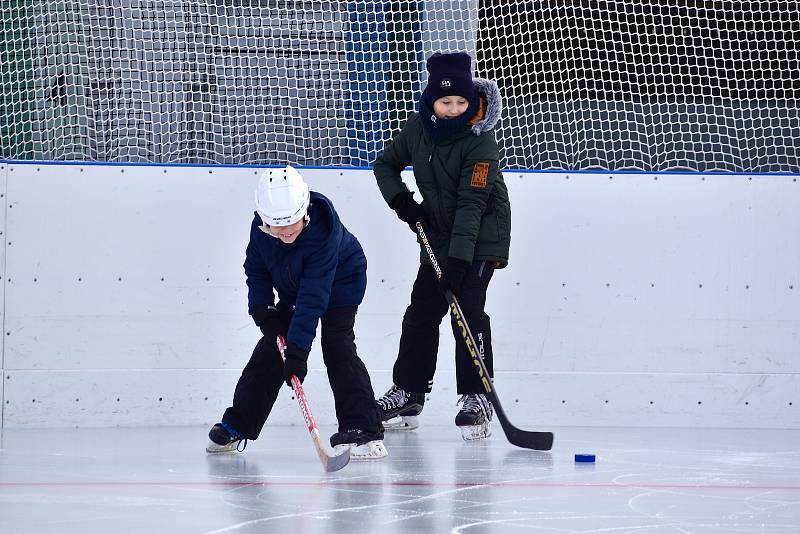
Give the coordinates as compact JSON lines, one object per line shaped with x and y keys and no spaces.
{"x":262,"y":378}
{"x":419,"y":341}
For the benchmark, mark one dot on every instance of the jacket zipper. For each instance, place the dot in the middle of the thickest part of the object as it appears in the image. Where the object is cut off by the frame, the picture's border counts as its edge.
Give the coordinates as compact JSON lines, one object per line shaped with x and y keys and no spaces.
{"x":291,"y":278}
{"x":436,"y":182}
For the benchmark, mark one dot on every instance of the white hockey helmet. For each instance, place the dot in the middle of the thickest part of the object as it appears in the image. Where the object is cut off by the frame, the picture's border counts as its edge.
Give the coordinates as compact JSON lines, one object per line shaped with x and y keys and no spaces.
{"x":281,"y":197}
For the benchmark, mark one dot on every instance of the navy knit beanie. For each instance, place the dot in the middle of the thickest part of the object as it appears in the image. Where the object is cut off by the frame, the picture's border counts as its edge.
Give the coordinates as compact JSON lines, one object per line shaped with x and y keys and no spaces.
{"x":449,"y":75}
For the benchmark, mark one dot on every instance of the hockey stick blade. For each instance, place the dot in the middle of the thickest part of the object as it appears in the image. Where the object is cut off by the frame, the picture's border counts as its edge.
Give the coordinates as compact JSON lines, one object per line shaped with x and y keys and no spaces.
{"x":527,"y":439}
{"x":329,"y":463}
{"x":334,"y":463}
{"x":541,"y":441}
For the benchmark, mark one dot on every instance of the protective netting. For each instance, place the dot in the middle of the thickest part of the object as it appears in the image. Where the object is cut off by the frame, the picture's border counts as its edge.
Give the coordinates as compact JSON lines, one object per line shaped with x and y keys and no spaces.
{"x":651,"y":85}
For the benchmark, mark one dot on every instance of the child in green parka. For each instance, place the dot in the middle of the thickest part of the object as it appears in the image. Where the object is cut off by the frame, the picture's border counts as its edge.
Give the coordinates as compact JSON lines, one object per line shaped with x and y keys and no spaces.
{"x":466,"y":214}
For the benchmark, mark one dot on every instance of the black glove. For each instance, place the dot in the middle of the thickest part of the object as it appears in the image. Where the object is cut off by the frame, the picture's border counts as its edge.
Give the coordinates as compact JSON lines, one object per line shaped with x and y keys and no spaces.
{"x":408,"y":210}
{"x":453,"y":275}
{"x":296,"y":364}
{"x":268,"y":319}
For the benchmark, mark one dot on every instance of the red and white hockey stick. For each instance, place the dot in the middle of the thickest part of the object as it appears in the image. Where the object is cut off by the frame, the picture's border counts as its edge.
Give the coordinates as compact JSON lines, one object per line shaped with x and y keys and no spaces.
{"x":330,"y":463}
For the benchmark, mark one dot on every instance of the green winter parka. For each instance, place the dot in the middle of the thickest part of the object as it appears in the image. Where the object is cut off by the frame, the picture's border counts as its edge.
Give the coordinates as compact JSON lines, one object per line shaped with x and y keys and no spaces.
{"x":464,"y":195}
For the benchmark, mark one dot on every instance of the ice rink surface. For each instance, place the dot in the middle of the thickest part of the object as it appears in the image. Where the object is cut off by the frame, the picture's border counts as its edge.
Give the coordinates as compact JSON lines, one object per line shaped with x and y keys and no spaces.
{"x":161,"y":480}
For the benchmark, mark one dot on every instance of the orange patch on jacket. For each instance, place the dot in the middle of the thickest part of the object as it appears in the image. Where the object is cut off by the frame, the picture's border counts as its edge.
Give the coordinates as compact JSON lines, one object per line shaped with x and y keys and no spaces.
{"x":479,"y":174}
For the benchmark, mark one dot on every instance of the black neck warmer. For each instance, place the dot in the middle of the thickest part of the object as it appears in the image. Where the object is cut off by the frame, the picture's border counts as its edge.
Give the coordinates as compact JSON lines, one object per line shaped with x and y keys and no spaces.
{"x":441,"y":130}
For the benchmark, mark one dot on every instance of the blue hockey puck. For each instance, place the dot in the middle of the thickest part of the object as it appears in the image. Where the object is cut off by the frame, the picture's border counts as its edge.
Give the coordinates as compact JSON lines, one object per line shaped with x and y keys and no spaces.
{"x":584,"y":458}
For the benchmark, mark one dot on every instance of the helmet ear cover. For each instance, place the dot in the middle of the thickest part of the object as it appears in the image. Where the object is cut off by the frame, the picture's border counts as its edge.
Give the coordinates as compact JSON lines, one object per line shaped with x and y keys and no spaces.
{"x":282,"y":197}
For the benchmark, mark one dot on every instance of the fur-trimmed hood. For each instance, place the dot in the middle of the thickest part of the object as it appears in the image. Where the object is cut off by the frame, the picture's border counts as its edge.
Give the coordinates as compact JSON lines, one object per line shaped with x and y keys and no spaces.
{"x":494,"y":105}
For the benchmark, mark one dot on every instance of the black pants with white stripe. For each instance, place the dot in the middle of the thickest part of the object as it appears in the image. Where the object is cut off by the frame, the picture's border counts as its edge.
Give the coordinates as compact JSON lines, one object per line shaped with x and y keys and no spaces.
{"x":419,"y":340}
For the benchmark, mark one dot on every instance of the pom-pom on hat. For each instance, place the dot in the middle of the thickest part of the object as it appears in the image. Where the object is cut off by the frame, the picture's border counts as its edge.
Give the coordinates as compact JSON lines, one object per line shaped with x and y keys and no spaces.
{"x":449,"y":74}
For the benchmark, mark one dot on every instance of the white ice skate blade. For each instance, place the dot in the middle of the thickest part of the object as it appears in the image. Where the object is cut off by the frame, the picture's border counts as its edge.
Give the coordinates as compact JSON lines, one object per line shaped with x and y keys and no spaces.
{"x":401,"y":422}
{"x":373,"y":450}
{"x":214,"y":447}
{"x":472,"y":433}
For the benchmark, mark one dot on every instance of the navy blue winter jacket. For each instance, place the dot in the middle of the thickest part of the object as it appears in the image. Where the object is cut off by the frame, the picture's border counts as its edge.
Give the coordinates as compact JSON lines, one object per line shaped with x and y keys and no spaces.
{"x":324,"y":268}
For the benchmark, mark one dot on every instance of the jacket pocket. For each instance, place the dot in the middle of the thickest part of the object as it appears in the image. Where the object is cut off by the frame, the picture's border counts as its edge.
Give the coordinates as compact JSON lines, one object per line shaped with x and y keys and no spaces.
{"x":503,"y":221}
{"x":489,"y":231}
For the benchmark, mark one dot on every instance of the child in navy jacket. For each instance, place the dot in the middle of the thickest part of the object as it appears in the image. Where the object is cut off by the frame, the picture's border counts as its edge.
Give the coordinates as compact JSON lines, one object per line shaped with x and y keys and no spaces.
{"x":300,"y":249}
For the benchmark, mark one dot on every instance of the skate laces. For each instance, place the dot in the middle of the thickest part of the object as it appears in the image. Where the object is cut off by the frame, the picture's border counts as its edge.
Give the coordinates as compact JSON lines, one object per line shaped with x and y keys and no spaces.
{"x":476,"y":403}
{"x":235,"y":435}
{"x":394,"y":398}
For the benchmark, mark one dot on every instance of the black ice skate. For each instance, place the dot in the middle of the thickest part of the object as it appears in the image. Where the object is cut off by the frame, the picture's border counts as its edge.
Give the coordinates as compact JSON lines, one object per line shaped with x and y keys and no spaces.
{"x":363,"y":445}
{"x":399,"y":409}
{"x":225,"y":438}
{"x":474,"y":417}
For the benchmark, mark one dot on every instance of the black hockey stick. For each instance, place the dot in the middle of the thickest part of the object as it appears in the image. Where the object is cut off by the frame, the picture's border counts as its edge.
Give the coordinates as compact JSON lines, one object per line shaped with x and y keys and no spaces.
{"x":329,"y":463}
{"x":540,"y":441}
